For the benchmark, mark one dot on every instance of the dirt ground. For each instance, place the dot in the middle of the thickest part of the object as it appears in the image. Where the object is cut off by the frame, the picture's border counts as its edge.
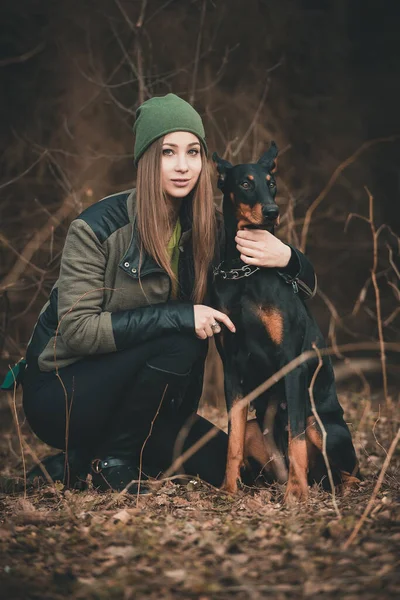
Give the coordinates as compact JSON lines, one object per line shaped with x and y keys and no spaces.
{"x":189,"y":540}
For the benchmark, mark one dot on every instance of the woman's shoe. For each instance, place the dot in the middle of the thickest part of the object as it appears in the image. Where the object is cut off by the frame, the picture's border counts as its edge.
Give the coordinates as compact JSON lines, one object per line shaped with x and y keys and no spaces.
{"x":71,"y":472}
{"x":117,"y":474}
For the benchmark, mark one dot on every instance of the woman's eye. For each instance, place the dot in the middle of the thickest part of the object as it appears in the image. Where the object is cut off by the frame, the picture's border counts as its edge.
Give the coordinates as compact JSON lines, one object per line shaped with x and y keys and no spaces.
{"x":194,"y":152}
{"x":245,"y":185}
{"x":167,"y":152}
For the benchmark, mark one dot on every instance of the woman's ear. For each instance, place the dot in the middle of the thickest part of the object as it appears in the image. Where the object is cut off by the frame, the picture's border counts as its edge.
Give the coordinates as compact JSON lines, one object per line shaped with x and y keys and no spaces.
{"x":223,"y":167}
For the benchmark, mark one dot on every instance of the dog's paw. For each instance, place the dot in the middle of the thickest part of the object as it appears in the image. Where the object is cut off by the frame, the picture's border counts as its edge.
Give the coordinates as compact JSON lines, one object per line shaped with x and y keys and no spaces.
{"x":295,"y":494}
{"x":231,"y":486}
{"x":349,"y":483}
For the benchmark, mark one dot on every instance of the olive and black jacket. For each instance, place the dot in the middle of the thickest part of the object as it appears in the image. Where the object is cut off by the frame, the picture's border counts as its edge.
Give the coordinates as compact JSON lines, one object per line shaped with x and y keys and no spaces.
{"x":99,"y":304}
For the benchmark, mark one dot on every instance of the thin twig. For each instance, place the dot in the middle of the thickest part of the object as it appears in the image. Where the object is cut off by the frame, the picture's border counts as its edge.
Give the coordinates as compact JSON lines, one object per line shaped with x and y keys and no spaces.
{"x":377,"y":487}
{"x":140,"y":20}
{"x":14,"y":179}
{"x":36,"y":242}
{"x":13,"y":407}
{"x":144,"y":445}
{"x":378,"y":297}
{"x":23,"y":57}
{"x":254,"y":121}
{"x":197,"y":54}
{"x":323,"y":430}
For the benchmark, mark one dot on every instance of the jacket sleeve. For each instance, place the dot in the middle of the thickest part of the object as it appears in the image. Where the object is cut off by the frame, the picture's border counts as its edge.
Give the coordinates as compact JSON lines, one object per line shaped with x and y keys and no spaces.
{"x":83,"y":324}
{"x":300,"y":273}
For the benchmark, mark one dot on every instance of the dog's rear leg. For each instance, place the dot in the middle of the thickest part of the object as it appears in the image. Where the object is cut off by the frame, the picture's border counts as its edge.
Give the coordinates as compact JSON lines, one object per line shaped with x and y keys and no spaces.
{"x":297,"y":487}
{"x":237,"y":432}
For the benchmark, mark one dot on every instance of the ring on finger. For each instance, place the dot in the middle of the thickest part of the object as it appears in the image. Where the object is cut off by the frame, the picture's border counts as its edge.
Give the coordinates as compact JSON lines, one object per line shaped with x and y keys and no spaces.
{"x":215,"y":326}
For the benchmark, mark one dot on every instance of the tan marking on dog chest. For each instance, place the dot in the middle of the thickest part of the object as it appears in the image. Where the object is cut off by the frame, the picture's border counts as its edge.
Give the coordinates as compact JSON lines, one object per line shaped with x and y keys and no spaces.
{"x":272,"y":320}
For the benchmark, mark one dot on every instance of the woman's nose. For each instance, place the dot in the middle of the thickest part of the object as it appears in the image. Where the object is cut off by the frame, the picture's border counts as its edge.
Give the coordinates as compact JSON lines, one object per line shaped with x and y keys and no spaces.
{"x":181,"y":164}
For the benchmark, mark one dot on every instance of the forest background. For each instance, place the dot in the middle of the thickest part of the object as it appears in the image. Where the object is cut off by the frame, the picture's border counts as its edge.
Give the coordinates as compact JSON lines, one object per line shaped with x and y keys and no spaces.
{"x":320,"y":77}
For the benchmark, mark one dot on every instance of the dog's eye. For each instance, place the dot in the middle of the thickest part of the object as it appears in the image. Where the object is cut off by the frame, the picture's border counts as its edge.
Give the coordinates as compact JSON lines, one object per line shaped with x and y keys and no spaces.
{"x":245,"y":185}
{"x":271,"y":184}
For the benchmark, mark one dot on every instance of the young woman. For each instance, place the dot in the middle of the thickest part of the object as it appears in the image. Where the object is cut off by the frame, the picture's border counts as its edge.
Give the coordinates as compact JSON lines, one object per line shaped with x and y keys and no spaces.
{"x":123,"y":337}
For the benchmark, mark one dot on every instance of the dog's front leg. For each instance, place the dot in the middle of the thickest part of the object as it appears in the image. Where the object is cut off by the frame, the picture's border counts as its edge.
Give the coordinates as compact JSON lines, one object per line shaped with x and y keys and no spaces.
{"x":237,"y":416}
{"x":296,"y":390}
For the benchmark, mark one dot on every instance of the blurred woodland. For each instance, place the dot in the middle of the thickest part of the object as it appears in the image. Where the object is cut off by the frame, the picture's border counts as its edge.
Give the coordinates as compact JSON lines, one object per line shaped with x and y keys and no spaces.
{"x":304,"y":73}
{"x":320,"y":77}
{"x":301,"y":72}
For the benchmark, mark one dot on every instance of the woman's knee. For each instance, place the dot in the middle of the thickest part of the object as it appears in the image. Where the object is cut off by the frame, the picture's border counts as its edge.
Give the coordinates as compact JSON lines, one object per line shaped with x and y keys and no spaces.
{"x":179,"y":354}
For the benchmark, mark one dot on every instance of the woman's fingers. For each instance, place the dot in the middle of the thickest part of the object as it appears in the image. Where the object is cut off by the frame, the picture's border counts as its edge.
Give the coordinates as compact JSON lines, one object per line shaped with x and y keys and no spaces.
{"x":247,"y":242}
{"x":209,"y":331}
{"x":201,"y":334}
{"x":207,"y":321}
{"x":249,"y":251}
{"x":219,"y":316}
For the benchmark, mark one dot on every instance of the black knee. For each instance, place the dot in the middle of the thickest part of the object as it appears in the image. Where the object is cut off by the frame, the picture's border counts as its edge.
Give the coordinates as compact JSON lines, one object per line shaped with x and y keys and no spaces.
{"x":179,"y":353}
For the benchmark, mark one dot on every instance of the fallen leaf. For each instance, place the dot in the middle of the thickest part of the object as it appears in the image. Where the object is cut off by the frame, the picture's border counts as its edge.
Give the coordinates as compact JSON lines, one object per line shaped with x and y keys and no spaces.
{"x":177,"y":574}
{"x":123,"y":515}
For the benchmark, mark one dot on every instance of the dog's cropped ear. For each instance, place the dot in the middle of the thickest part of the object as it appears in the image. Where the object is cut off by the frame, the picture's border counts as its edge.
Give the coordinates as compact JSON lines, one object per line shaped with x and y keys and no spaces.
{"x":267,"y":160}
{"x":222,"y":167}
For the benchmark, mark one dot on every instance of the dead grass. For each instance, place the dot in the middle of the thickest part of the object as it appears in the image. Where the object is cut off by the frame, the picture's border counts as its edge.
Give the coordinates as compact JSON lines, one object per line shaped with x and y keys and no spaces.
{"x":191,"y":541}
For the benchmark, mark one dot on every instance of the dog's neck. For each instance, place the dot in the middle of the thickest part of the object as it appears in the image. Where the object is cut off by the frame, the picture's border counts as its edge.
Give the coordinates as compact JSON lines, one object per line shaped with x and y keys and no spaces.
{"x":231,"y":253}
{"x":231,"y":257}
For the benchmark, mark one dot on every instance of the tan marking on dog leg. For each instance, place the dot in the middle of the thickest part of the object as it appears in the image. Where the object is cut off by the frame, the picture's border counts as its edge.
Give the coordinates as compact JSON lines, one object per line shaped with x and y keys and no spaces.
{"x":236,"y":439}
{"x":232,"y":197}
{"x":313,"y":433}
{"x":314,"y":440}
{"x":297,"y":486}
{"x":273,"y":323}
{"x":349,"y":481}
{"x":254,"y":445}
{"x":278,"y":462}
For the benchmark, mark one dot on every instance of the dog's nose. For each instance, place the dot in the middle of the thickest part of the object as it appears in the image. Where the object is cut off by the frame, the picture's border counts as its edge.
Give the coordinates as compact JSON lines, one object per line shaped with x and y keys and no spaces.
{"x":270,"y":212}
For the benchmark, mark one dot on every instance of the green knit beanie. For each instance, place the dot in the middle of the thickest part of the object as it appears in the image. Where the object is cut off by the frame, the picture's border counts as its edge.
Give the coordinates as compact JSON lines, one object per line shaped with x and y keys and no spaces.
{"x":161,"y":115}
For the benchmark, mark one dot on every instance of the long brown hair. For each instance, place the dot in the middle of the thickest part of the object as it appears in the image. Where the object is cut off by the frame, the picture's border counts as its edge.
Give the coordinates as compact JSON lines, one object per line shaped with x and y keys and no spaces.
{"x":153,"y":223}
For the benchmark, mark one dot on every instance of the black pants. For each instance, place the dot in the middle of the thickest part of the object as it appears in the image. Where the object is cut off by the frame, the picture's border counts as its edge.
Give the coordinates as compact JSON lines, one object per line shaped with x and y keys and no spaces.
{"x":92,"y":391}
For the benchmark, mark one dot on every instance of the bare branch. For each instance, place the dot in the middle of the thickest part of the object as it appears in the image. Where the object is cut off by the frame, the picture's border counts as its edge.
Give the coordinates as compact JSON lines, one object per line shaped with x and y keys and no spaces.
{"x":333,"y":180}
{"x":66,"y":208}
{"x":254,"y":121}
{"x":14,"y":179}
{"x":197,"y":55}
{"x":23,"y":57}
{"x":377,"y":487}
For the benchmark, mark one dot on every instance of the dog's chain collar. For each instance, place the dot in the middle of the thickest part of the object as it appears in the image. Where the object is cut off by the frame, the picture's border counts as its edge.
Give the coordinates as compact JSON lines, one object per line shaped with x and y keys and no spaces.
{"x":239,"y":273}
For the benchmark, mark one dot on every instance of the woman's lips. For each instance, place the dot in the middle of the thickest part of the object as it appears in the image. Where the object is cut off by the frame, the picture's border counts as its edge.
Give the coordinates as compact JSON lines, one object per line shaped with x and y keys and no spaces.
{"x":180,"y":182}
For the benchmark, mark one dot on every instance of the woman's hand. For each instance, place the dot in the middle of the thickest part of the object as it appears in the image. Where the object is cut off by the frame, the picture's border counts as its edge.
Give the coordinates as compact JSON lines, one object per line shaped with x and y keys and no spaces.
{"x":261,"y":248}
{"x":207,"y":319}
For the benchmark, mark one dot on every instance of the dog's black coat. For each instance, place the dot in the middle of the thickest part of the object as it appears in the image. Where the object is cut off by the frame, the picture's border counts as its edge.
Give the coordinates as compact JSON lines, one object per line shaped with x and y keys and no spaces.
{"x":273,"y":326}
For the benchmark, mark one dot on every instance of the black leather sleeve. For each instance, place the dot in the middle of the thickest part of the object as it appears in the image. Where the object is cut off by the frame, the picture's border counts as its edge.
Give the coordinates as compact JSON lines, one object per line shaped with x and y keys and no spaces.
{"x":300,"y":273}
{"x":131,"y":327}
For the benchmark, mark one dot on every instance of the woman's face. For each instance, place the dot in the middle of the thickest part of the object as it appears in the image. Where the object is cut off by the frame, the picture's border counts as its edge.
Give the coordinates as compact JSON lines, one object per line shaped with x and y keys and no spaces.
{"x":180,"y":163}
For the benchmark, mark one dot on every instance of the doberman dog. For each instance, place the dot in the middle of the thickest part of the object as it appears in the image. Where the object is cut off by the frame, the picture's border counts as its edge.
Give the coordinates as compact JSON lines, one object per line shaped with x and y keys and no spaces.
{"x":273,"y":326}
